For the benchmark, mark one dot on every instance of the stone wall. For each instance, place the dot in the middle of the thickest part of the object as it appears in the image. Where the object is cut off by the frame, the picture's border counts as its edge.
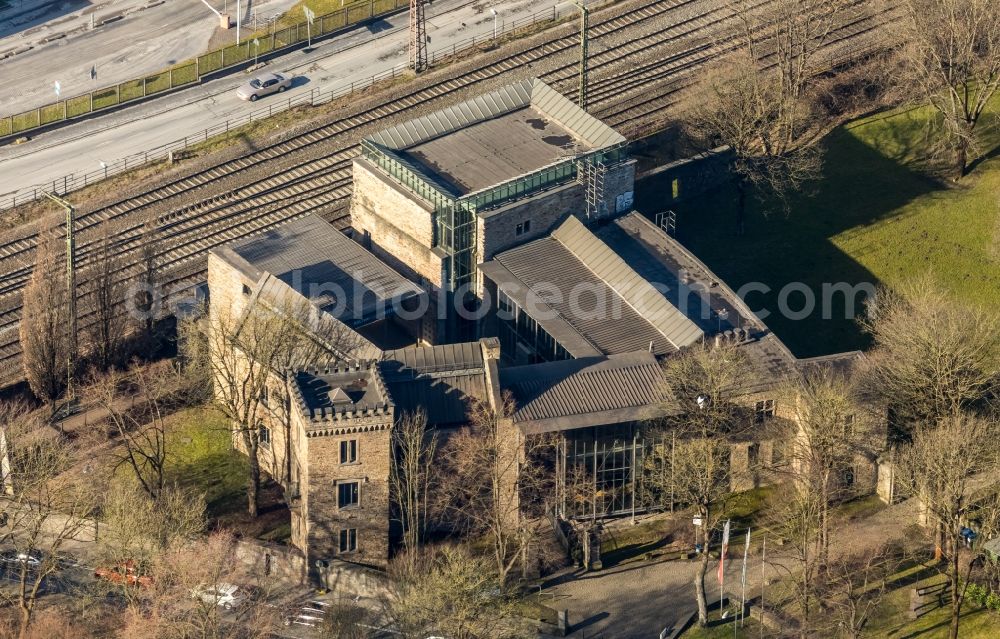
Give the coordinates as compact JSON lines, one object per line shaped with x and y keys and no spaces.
{"x":349,"y":580}
{"x":285,"y":564}
{"x":371,"y":516}
{"x":397,"y":226}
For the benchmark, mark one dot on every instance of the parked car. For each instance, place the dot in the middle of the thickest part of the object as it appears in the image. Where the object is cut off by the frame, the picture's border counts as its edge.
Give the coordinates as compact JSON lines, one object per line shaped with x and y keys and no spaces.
{"x":226,"y":595}
{"x":16,"y":558}
{"x":125,"y":573}
{"x":263,"y":85}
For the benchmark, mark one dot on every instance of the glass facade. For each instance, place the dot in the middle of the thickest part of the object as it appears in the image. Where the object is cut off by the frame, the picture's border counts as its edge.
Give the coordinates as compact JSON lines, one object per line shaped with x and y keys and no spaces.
{"x":519,"y":333}
{"x":455,"y":217}
{"x":602,"y":471}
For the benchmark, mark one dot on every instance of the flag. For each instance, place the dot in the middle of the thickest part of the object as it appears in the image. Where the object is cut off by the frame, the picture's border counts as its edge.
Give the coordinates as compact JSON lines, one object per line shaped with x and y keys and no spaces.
{"x":725,"y":549}
{"x":743,"y":577}
{"x":746,"y":553}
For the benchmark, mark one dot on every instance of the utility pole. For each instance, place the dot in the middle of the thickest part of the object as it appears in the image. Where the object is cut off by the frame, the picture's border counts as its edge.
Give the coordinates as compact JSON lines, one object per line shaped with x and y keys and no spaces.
{"x":70,"y":288}
{"x":584,"y":22}
{"x":418,"y":36}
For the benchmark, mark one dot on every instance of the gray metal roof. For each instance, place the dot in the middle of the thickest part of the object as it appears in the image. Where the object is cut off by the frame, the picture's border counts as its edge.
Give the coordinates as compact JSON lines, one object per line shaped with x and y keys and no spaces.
{"x":325,"y":266}
{"x":631,"y":314}
{"x":639,"y":293}
{"x":441,"y":380}
{"x":530,"y":92}
{"x":586,"y":392}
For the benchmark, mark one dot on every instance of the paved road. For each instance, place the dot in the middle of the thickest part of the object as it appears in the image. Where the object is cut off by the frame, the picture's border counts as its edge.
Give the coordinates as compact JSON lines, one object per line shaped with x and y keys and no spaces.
{"x":145,"y":40}
{"x":354,"y":56}
{"x":637,"y":600}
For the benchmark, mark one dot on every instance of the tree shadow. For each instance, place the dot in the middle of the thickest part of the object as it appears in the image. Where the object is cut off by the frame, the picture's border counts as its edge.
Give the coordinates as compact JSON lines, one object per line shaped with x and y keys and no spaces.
{"x":631,"y":551}
{"x":781,"y":254}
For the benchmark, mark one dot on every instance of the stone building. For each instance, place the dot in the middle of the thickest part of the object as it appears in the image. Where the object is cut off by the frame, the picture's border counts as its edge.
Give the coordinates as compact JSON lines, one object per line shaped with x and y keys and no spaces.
{"x":439,"y":194}
{"x":520,"y":203}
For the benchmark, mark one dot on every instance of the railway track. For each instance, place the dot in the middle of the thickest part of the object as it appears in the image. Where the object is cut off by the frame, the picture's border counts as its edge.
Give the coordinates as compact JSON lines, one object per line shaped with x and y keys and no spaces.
{"x":188,"y":230}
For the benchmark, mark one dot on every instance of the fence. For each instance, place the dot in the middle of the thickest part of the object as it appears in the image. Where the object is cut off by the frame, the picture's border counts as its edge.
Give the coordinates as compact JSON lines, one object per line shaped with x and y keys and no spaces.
{"x":192,"y":72}
{"x":75,"y":181}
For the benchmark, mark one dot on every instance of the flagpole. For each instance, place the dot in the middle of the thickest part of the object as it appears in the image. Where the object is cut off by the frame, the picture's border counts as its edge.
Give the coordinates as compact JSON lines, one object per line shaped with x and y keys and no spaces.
{"x":763,"y":583}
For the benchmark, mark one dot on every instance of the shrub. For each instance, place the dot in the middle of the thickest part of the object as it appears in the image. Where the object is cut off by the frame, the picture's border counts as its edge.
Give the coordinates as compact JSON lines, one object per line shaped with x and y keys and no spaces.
{"x":977,"y":594}
{"x":993,"y":601}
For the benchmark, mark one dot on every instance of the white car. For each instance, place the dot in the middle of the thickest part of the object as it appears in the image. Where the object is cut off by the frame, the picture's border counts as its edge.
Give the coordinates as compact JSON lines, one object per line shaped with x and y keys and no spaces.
{"x":226,"y":595}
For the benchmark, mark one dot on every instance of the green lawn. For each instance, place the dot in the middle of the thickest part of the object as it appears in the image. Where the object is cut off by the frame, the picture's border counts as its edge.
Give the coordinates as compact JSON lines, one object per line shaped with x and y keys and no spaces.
{"x":201,"y":455}
{"x":873,"y":218}
{"x":891,"y":619}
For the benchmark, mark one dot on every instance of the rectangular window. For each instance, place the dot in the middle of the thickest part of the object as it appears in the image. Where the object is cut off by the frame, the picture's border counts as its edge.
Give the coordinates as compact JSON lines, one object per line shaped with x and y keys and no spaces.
{"x":265,"y":396}
{"x":523,"y":227}
{"x":347,"y":494}
{"x":264,"y":436}
{"x":348,"y":451}
{"x":763,"y":410}
{"x":348,"y":540}
{"x":777,"y":453}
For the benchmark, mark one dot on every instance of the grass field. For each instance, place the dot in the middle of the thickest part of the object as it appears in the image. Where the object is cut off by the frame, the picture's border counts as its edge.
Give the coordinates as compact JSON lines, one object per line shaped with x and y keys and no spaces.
{"x":874,"y":218}
{"x":201,"y":455}
{"x":891,"y":620}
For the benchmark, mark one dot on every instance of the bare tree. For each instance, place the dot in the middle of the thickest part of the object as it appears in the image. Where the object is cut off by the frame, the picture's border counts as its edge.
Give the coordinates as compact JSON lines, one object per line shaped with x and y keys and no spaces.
{"x":45,"y":506}
{"x":952,"y":50}
{"x":492,"y":466}
{"x":944,"y":465}
{"x":704,"y":381}
{"x":183,"y":601}
{"x":854,"y":586}
{"x":934,"y":355}
{"x":44,"y":326}
{"x":137,"y":527}
{"x":453,"y":593}
{"x":413,"y":477}
{"x":146,"y":293}
{"x":249,"y":356}
{"x":135,"y":402}
{"x":795,"y":519}
{"x":105,"y":291}
{"x":830,"y":429}
{"x":757,"y":100}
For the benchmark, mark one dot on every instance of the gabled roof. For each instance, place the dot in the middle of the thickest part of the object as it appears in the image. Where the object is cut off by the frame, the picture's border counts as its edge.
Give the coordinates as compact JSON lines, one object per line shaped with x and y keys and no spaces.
{"x":591,"y":391}
{"x":440,"y":380}
{"x":603,"y":306}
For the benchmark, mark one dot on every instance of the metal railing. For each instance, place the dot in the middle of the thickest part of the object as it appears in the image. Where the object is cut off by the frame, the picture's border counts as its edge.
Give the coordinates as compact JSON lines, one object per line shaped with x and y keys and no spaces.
{"x":74,"y":181}
{"x":192,"y":71}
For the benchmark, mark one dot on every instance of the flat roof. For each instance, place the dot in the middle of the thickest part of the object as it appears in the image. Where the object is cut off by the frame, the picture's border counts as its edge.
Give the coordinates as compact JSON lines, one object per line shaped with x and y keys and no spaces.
{"x":325,"y":266}
{"x":494,"y":138}
{"x":325,"y":392}
{"x":497,"y":150}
